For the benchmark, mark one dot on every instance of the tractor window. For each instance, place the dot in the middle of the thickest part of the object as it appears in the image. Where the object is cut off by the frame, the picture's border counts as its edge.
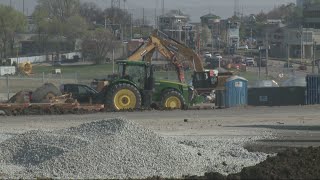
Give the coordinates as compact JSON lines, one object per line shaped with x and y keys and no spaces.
{"x":121,"y":69}
{"x":136,"y":74}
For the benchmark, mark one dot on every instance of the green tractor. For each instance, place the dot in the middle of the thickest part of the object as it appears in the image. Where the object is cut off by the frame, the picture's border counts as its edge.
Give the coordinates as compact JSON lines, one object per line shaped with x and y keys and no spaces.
{"x":134,"y":87}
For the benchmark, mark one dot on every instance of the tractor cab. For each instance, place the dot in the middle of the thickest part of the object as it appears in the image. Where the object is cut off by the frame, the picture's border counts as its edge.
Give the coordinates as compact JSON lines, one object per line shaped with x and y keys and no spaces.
{"x":138,"y":72}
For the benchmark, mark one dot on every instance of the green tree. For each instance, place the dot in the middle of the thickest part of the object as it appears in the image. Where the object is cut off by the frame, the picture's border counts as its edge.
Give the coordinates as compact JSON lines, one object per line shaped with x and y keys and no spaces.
{"x":289,"y":13}
{"x":205,"y":35}
{"x":97,"y":44}
{"x":59,"y":20}
{"x":261,"y":17}
{"x":92,"y":13}
{"x":11,"y":22}
{"x":43,"y":25}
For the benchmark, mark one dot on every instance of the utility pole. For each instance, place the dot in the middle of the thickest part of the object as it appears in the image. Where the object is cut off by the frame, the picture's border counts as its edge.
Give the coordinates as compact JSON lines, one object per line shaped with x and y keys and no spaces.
{"x":143,"y":16}
{"x":267,"y":54}
{"x":131,"y":26}
{"x":259,"y":70}
{"x":228,"y":35}
{"x":142,"y":22}
{"x":124,"y":5}
{"x":155,"y":18}
{"x":179,"y":31}
{"x":212,"y":38}
{"x":185,"y":35}
{"x":251,"y":40}
{"x":301,"y":41}
{"x":288,"y":54}
{"x":162,"y":7}
{"x":23,"y":7}
{"x":105,"y":22}
{"x":156,"y":15}
{"x":314,"y":55}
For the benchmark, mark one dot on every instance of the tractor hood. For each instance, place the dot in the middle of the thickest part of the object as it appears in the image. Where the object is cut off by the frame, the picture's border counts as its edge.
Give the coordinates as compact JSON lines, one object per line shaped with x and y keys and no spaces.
{"x":158,"y":82}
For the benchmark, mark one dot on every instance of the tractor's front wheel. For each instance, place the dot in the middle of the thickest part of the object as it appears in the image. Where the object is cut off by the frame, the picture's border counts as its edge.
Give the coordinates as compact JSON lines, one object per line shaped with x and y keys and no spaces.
{"x":173,"y":100}
{"x":123,"y":96}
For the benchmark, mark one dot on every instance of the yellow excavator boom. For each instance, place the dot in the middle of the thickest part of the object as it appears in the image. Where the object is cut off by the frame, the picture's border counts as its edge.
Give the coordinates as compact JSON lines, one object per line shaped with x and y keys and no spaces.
{"x":145,"y":53}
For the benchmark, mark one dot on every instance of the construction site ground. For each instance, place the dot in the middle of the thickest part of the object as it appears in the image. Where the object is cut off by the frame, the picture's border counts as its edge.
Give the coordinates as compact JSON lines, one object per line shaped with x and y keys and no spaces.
{"x":279,"y":127}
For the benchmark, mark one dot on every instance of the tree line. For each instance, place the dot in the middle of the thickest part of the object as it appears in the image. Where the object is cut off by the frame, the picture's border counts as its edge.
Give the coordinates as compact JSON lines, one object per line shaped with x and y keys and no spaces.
{"x":58,"y":25}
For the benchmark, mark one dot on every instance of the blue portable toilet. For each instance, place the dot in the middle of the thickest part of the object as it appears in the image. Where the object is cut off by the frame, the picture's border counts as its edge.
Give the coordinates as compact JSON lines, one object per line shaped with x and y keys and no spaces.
{"x":236,"y":91}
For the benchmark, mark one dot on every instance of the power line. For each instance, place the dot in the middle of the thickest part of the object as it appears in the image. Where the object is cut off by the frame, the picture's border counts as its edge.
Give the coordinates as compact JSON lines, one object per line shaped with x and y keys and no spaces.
{"x":162,"y":7}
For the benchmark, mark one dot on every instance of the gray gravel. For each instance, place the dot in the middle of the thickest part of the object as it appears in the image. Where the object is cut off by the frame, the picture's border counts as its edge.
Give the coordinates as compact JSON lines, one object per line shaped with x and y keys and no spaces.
{"x":119,"y":148}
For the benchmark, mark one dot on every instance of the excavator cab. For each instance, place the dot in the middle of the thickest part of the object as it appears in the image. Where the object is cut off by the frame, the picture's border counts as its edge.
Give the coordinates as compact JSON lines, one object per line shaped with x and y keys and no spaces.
{"x":202,"y":81}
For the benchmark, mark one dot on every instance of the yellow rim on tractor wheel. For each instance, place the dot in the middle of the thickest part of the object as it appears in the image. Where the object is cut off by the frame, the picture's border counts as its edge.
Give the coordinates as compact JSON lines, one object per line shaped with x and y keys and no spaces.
{"x":173,"y":103}
{"x":125,"y":99}
{"x":49,"y":96}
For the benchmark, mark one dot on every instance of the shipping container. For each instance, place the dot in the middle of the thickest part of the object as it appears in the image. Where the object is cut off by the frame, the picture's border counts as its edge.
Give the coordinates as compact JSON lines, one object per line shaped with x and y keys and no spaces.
{"x":313,"y":89}
{"x":236,"y":91}
{"x":276,"y":96}
{"x":7,"y":70}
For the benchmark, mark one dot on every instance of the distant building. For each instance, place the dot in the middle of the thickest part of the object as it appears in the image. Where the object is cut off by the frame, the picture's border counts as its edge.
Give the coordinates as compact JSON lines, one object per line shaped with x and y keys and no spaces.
{"x":232,"y":29}
{"x":31,"y":27}
{"x":287,"y":42}
{"x":274,"y":21}
{"x":210,"y":20}
{"x":171,"y":24}
{"x":302,"y":3}
{"x":177,"y":27}
{"x":295,"y":41}
{"x":311,"y":16}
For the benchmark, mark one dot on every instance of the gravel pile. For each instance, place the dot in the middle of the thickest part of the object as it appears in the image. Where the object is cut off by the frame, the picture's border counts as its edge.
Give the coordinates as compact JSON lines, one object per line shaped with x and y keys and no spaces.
{"x":118,"y":148}
{"x":225,"y":155}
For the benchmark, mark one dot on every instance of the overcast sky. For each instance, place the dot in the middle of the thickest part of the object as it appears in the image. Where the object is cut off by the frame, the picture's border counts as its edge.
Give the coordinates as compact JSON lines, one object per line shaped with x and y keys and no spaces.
{"x":195,"y":8}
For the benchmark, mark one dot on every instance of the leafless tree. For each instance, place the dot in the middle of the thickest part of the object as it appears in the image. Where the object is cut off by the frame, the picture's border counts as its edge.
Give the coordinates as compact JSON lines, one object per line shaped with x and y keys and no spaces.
{"x":98,"y":44}
{"x":60,"y":9}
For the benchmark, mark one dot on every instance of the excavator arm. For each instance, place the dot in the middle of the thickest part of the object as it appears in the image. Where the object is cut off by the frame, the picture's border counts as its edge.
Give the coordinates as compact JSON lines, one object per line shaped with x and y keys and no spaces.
{"x":168,"y":47}
{"x":142,"y":51}
{"x":192,"y":57}
{"x":146,"y":51}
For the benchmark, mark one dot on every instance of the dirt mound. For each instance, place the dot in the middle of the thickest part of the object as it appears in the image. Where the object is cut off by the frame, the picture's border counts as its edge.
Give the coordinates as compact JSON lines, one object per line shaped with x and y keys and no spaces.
{"x":293,"y":163}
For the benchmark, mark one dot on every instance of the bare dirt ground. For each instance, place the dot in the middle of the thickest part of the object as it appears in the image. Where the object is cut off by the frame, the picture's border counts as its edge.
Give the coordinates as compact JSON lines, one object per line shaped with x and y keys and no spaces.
{"x":292,"y":126}
{"x":281,"y":127}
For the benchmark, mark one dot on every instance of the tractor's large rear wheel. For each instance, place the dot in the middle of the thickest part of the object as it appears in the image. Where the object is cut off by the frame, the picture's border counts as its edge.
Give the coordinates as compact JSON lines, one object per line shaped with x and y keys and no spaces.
{"x":122,"y":97}
{"x":173,"y":100}
{"x":44,"y":93}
